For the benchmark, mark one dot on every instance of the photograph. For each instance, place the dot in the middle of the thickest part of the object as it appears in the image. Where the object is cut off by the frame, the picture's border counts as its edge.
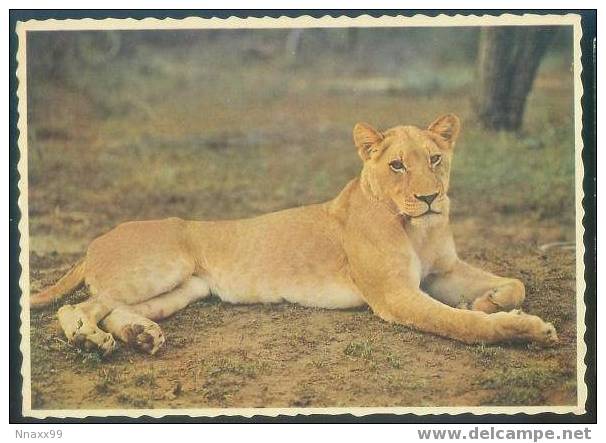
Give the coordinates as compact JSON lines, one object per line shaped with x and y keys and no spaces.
{"x":301,"y":215}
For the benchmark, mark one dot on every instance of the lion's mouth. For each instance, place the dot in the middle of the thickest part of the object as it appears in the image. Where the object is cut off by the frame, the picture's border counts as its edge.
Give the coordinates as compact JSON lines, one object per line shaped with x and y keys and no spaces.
{"x":428,"y":212}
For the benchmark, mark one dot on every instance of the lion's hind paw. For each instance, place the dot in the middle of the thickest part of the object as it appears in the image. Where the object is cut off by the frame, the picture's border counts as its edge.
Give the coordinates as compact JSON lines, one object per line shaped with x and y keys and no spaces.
{"x":145,"y":336}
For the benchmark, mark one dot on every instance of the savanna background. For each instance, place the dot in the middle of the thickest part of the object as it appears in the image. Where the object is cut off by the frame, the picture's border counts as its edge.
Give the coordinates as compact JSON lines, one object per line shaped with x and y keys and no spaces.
{"x":213,"y":124}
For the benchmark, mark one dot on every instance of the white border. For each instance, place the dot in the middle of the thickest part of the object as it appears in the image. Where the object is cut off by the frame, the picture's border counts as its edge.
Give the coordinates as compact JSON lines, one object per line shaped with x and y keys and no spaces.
{"x":288,"y":22}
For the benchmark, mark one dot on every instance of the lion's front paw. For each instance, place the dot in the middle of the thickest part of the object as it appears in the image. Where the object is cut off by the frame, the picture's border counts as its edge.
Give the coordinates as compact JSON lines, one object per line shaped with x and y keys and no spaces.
{"x":518,"y":326}
{"x":145,"y":336}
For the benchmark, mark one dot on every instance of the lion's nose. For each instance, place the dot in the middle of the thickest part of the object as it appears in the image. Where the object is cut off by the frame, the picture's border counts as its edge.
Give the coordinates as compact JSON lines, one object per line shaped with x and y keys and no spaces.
{"x":427,"y":198}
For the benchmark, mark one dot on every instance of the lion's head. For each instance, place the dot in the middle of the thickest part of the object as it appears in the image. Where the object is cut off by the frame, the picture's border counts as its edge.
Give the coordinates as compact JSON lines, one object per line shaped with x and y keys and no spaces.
{"x":409,"y":168}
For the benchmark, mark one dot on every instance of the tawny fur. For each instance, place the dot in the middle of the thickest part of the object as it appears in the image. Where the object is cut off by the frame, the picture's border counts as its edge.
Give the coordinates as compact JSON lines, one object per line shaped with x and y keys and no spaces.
{"x":375,"y":244}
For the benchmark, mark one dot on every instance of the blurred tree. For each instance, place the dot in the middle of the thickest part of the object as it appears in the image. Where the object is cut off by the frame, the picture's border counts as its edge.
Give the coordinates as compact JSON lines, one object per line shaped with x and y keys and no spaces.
{"x":352,"y":39}
{"x":293,"y":45}
{"x":508,"y":59}
{"x":96,"y":49}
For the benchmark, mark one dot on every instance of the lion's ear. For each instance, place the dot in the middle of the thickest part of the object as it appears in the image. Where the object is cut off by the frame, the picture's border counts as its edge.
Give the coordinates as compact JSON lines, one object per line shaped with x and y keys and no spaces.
{"x":365,"y":137}
{"x":447,"y":127}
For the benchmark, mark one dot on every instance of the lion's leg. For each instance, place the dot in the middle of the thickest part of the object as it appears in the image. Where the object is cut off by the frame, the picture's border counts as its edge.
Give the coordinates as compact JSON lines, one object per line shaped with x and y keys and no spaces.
{"x":118,"y":278}
{"x":165,"y":305}
{"x":465,"y":285}
{"x":79,"y":323}
{"x":134,"y":324}
{"x":412,"y":307}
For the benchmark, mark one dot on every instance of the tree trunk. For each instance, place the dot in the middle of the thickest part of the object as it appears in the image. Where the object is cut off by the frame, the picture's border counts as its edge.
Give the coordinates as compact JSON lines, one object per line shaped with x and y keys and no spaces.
{"x":508,"y":59}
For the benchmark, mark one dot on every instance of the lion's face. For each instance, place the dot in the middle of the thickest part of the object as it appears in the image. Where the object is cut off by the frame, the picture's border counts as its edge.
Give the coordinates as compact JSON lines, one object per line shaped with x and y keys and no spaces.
{"x":409,"y":168}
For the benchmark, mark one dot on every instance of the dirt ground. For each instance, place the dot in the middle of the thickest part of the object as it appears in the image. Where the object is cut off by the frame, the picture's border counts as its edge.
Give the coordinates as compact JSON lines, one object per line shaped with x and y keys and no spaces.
{"x":157,"y":133}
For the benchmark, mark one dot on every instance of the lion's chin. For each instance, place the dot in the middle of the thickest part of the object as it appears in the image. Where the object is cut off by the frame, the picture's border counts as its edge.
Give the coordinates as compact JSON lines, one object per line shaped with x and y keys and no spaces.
{"x":426,"y":220}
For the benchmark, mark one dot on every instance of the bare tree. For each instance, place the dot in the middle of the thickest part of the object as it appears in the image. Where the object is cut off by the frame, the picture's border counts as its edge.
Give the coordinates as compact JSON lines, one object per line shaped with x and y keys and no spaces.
{"x":508,"y":59}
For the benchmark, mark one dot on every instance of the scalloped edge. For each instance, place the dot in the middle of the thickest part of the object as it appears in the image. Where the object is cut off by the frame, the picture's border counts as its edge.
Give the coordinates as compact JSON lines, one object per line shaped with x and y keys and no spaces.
{"x":303,"y":21}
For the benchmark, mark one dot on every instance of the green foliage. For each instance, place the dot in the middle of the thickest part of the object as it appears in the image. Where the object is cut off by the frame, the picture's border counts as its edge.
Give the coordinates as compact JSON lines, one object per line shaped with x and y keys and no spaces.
{"x":520,"y":386}
{"x":361,"y":349}
{"x":530,"y":173}
{"x":236,"y":365}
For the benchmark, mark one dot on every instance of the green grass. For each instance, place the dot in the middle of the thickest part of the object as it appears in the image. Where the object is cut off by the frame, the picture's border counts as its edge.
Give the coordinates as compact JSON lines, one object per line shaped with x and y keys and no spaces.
{"x":520,"y":386}
{"x":394,"y":361}
{"x":362,"y":349}
{"x":235,"y":366}
{"x":487,"y":356}
{"x":513,"y":173}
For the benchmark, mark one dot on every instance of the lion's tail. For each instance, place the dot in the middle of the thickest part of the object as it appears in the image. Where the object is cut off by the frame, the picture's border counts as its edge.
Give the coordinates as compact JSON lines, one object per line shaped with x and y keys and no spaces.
{"x":66,"y":284}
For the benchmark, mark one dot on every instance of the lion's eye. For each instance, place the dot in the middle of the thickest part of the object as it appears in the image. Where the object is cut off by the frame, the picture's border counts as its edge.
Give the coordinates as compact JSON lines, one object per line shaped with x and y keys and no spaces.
{"x":397,"y":166}
{"x":435,"y":159}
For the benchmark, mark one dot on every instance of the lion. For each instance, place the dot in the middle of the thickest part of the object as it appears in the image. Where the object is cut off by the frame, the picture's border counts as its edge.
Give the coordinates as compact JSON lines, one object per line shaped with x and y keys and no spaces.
{"x":383,"y":241}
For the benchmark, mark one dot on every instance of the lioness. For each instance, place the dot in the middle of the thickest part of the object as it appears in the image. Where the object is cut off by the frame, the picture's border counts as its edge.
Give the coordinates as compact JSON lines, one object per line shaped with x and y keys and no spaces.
{"x":384,"y":241}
